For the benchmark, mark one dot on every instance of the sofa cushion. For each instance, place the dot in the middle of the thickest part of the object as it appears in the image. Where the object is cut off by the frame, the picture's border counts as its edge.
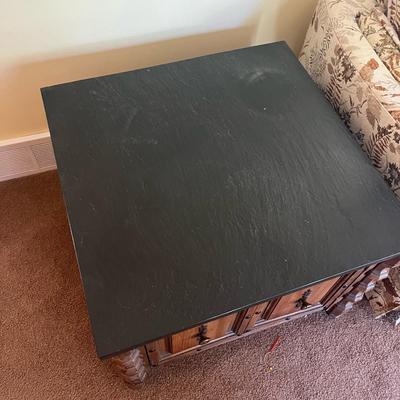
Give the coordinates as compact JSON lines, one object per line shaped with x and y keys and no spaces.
{"x":384,"y":40}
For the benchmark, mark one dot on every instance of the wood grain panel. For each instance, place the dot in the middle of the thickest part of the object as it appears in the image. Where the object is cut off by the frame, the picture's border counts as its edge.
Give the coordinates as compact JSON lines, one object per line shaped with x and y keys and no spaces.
{"x":289,"y":304}
{"x":192,"y":337}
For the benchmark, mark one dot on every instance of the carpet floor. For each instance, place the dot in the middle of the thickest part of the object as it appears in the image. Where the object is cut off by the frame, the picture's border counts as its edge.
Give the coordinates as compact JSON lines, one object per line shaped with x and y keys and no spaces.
{"x":47,"y":352}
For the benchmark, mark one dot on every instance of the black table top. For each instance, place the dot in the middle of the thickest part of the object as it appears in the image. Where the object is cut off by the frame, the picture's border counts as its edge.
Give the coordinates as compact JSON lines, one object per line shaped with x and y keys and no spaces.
{"x":198,"y":188}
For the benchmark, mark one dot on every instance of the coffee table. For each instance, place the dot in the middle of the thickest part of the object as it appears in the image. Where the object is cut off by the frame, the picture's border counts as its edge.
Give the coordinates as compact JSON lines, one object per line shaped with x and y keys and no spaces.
{"x":213,"y":197}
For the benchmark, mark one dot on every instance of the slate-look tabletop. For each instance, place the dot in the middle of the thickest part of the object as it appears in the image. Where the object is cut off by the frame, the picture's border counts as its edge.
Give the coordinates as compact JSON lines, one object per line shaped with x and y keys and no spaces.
{"x":198,"y":188}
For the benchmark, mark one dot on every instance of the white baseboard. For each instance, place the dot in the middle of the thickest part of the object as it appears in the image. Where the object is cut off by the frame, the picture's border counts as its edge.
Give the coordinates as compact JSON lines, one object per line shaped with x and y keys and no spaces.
{"x":26,"y":155}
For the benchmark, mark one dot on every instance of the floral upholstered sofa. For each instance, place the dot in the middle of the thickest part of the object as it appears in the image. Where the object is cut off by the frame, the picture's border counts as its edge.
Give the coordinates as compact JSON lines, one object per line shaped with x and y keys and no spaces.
{"x":352,"y":51}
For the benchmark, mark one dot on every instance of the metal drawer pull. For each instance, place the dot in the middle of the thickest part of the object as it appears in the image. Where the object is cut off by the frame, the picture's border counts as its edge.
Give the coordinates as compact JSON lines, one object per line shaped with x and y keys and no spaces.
{"x":302,"y":303}
{"x":201,"y":336}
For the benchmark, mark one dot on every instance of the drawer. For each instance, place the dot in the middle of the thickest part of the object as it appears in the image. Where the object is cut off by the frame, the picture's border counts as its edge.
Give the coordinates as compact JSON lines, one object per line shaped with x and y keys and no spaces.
{"x":202,"y":334}
{"x":302,"y":299}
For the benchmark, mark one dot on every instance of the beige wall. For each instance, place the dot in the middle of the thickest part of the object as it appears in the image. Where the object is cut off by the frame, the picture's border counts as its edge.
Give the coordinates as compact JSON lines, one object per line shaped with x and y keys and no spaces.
{"x":45,"y":42}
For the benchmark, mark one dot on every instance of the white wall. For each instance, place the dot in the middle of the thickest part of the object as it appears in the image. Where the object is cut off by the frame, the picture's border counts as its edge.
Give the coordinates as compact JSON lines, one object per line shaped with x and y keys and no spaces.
{"x":44,"y":42}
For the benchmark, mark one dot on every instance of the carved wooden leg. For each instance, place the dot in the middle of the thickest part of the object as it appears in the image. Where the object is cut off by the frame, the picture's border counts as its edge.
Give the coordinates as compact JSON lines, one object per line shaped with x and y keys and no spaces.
{"x":130,"y":366}
{"x":385,"y":297}
{"x":381,"y":271}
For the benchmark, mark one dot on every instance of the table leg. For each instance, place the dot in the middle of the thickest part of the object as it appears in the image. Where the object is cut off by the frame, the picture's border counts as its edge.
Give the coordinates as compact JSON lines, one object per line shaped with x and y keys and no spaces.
{"x":130,"y":366}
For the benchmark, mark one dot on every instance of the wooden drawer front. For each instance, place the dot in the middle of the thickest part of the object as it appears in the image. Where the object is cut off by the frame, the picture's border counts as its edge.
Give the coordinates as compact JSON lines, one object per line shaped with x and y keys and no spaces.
{"x":297,"y":301}
{"x":202,"y":334}
{"x":157,"y":350}
{"x":248,"y":318}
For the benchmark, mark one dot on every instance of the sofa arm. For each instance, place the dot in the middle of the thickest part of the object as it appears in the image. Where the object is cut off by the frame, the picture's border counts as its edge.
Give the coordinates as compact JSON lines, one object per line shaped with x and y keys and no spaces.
{"x":356,"y":82}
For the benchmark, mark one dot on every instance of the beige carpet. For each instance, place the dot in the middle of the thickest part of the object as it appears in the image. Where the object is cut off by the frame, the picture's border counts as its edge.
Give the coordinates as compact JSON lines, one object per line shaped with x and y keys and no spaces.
{"x":47,"y":352}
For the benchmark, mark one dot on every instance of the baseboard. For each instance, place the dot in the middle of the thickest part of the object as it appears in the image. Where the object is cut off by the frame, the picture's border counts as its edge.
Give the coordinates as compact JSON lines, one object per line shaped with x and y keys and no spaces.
{"x":26,"y":155}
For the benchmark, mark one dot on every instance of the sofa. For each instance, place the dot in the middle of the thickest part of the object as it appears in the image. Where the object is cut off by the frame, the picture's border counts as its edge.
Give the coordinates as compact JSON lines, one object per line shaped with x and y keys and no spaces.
{"x":357,"y":77}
